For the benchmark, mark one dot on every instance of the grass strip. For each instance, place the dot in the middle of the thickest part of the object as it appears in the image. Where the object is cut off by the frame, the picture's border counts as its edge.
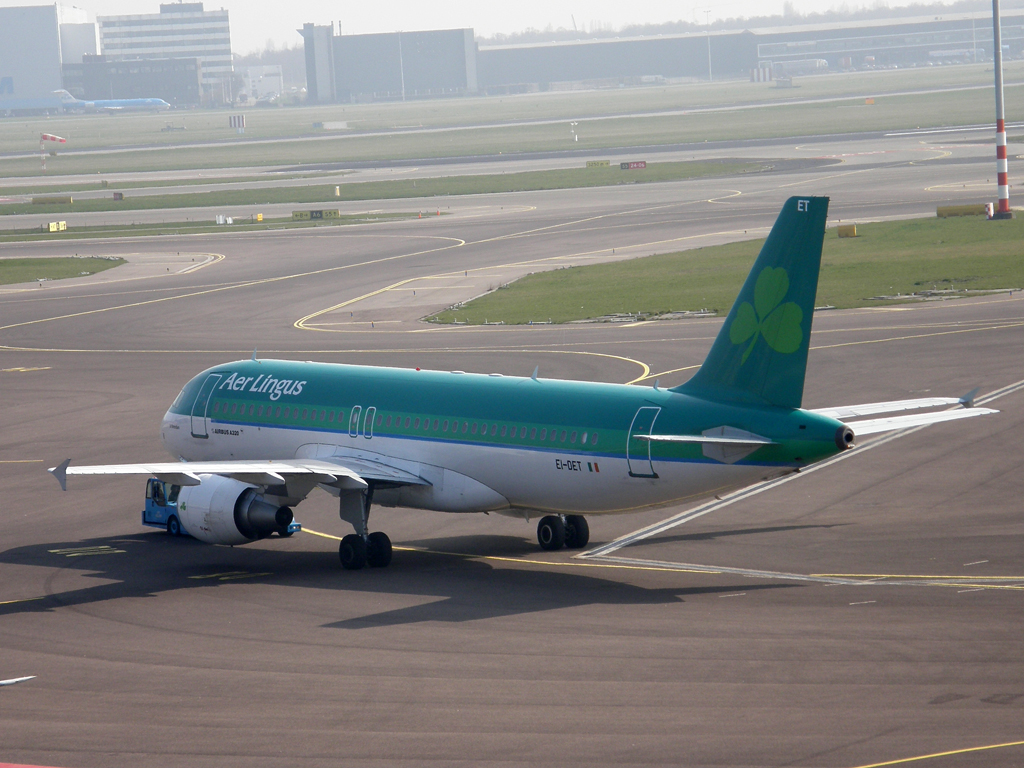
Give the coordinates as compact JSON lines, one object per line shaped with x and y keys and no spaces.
{"x":13,"y":271}
{"x":895,"y":112}
{"x":132,"y":129}
{"x":323,"y":194}
{"x":886,"y":259}
{"x":191,"y":227}
{"x":94,"y":186}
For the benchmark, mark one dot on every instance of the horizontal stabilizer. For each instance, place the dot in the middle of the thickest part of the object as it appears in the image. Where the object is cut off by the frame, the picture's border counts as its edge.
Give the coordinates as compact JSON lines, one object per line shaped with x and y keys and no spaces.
{"x":725,"y":444}
{"x":894,"y":406}
{"x":16,"y":680}
{"x":893,"y":423}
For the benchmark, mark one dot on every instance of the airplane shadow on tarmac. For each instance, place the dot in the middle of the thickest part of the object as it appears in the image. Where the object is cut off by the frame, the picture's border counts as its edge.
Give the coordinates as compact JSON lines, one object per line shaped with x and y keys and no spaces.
{"x":466,"y":588}
{"x":722,"y":534}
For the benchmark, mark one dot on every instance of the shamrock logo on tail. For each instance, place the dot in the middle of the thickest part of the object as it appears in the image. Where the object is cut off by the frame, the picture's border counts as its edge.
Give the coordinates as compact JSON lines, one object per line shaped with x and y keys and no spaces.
{"x":778,"y":323}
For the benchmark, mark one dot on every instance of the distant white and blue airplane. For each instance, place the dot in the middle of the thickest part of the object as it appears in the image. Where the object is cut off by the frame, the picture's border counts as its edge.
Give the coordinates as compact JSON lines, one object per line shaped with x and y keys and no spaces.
{"x":255,"y":437}
{"x":69,"y":102}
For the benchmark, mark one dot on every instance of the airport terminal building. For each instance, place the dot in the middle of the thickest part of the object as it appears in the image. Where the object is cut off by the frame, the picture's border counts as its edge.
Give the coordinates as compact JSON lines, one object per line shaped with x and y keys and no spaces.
{"x":176,"y":81}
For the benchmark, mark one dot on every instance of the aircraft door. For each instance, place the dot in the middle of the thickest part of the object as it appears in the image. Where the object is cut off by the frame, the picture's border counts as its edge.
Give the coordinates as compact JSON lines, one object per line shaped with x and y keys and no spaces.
{"x":638,"y":452}
{"x":200,"y":407}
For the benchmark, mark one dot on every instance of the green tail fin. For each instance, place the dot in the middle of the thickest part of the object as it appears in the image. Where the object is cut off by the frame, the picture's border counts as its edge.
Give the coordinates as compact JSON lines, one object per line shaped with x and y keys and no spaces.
{"x":760,"y":354}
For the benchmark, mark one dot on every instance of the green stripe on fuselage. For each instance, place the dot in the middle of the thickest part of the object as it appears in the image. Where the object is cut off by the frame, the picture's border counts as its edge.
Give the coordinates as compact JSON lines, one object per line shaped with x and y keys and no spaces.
{"x":293,"y":395}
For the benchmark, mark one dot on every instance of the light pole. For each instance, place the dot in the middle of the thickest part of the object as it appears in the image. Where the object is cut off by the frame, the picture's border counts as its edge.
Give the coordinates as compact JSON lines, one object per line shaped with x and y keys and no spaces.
{"x":401,"y":64}
{"x":974,"y":42}
{"x":708,"y":28}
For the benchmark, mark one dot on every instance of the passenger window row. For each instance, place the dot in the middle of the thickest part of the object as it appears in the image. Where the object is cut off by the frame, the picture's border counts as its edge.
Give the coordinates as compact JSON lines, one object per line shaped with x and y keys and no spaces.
{"x":276,"y":412}
{"x":426,"y":424}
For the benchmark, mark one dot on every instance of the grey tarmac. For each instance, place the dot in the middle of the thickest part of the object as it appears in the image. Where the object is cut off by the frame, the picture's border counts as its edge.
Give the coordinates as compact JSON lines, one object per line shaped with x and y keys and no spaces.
{"x":867,"y":612}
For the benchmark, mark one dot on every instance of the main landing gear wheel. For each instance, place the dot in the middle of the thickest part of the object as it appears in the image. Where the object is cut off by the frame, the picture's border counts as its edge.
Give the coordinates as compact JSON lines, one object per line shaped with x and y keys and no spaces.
{"x":551,"y":532}
{"x":378,"y":550}
{"x":352,"y":552}
{"x":174,"y":527}
{"x":577,"y":531}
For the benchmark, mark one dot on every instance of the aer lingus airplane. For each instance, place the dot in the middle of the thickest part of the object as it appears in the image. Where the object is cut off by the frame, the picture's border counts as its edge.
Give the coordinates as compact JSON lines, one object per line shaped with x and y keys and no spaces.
{"x":255,"y":437}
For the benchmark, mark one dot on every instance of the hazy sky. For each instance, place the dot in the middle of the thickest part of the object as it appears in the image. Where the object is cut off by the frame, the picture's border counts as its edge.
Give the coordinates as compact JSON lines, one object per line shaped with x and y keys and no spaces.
{"x":256,"y":21}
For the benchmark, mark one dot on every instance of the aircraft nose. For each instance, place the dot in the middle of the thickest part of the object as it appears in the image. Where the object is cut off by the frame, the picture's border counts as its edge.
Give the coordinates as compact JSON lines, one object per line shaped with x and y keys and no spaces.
{"x":165,"y":429}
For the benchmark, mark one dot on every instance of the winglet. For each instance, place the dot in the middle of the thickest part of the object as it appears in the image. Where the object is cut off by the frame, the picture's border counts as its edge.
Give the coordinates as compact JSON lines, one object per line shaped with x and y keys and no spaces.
{"x":535,"y":372}
{"x":967,"y":401}
{"x":61,"y":473}
{"x":254,"y":355}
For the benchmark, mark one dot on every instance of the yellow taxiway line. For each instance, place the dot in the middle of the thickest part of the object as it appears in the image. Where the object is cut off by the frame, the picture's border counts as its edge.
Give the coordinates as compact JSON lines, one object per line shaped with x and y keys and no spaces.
{"x":905,"y":760}
{"x":521,"y":560}
{"x":911,"y":576}
{"x":23,"y":600}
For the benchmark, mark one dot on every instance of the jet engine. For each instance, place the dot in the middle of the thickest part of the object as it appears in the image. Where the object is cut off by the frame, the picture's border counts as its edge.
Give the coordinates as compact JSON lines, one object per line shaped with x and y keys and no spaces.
{"x":845,"y":438}
{"x":224,"y":511}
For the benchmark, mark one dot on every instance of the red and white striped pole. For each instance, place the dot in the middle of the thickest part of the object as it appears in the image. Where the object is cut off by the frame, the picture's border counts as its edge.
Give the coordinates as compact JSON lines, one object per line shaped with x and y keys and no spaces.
{"x":1002,"y":179}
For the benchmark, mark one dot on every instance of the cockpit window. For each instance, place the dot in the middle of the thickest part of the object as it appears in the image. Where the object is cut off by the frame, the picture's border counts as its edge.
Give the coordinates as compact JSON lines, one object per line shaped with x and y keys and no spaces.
{"x":179,"y":398}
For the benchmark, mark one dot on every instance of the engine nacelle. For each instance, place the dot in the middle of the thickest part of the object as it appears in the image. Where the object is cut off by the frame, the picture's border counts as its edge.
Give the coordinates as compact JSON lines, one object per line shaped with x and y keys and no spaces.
{"x":224,"y":511}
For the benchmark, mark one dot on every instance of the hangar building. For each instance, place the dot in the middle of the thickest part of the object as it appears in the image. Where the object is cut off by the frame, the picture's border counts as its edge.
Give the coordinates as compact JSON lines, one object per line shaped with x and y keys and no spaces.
{"x":30,"y":59}
{"x":395,"y":65}
{"x":447,"y":62}
{"x":876,"y":42}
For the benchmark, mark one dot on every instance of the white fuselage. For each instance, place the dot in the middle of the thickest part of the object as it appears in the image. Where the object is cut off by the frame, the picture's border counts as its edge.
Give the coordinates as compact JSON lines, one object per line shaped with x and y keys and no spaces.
{"x":475,"y":478}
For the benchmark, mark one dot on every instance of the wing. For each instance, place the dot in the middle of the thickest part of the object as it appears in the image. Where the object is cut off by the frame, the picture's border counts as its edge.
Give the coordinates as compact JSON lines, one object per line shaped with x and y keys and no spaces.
{"x":341,"y":474}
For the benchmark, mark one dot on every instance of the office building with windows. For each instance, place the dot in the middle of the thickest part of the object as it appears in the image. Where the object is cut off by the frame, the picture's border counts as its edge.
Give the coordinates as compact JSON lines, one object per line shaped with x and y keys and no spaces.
{"x":179,"y":31}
